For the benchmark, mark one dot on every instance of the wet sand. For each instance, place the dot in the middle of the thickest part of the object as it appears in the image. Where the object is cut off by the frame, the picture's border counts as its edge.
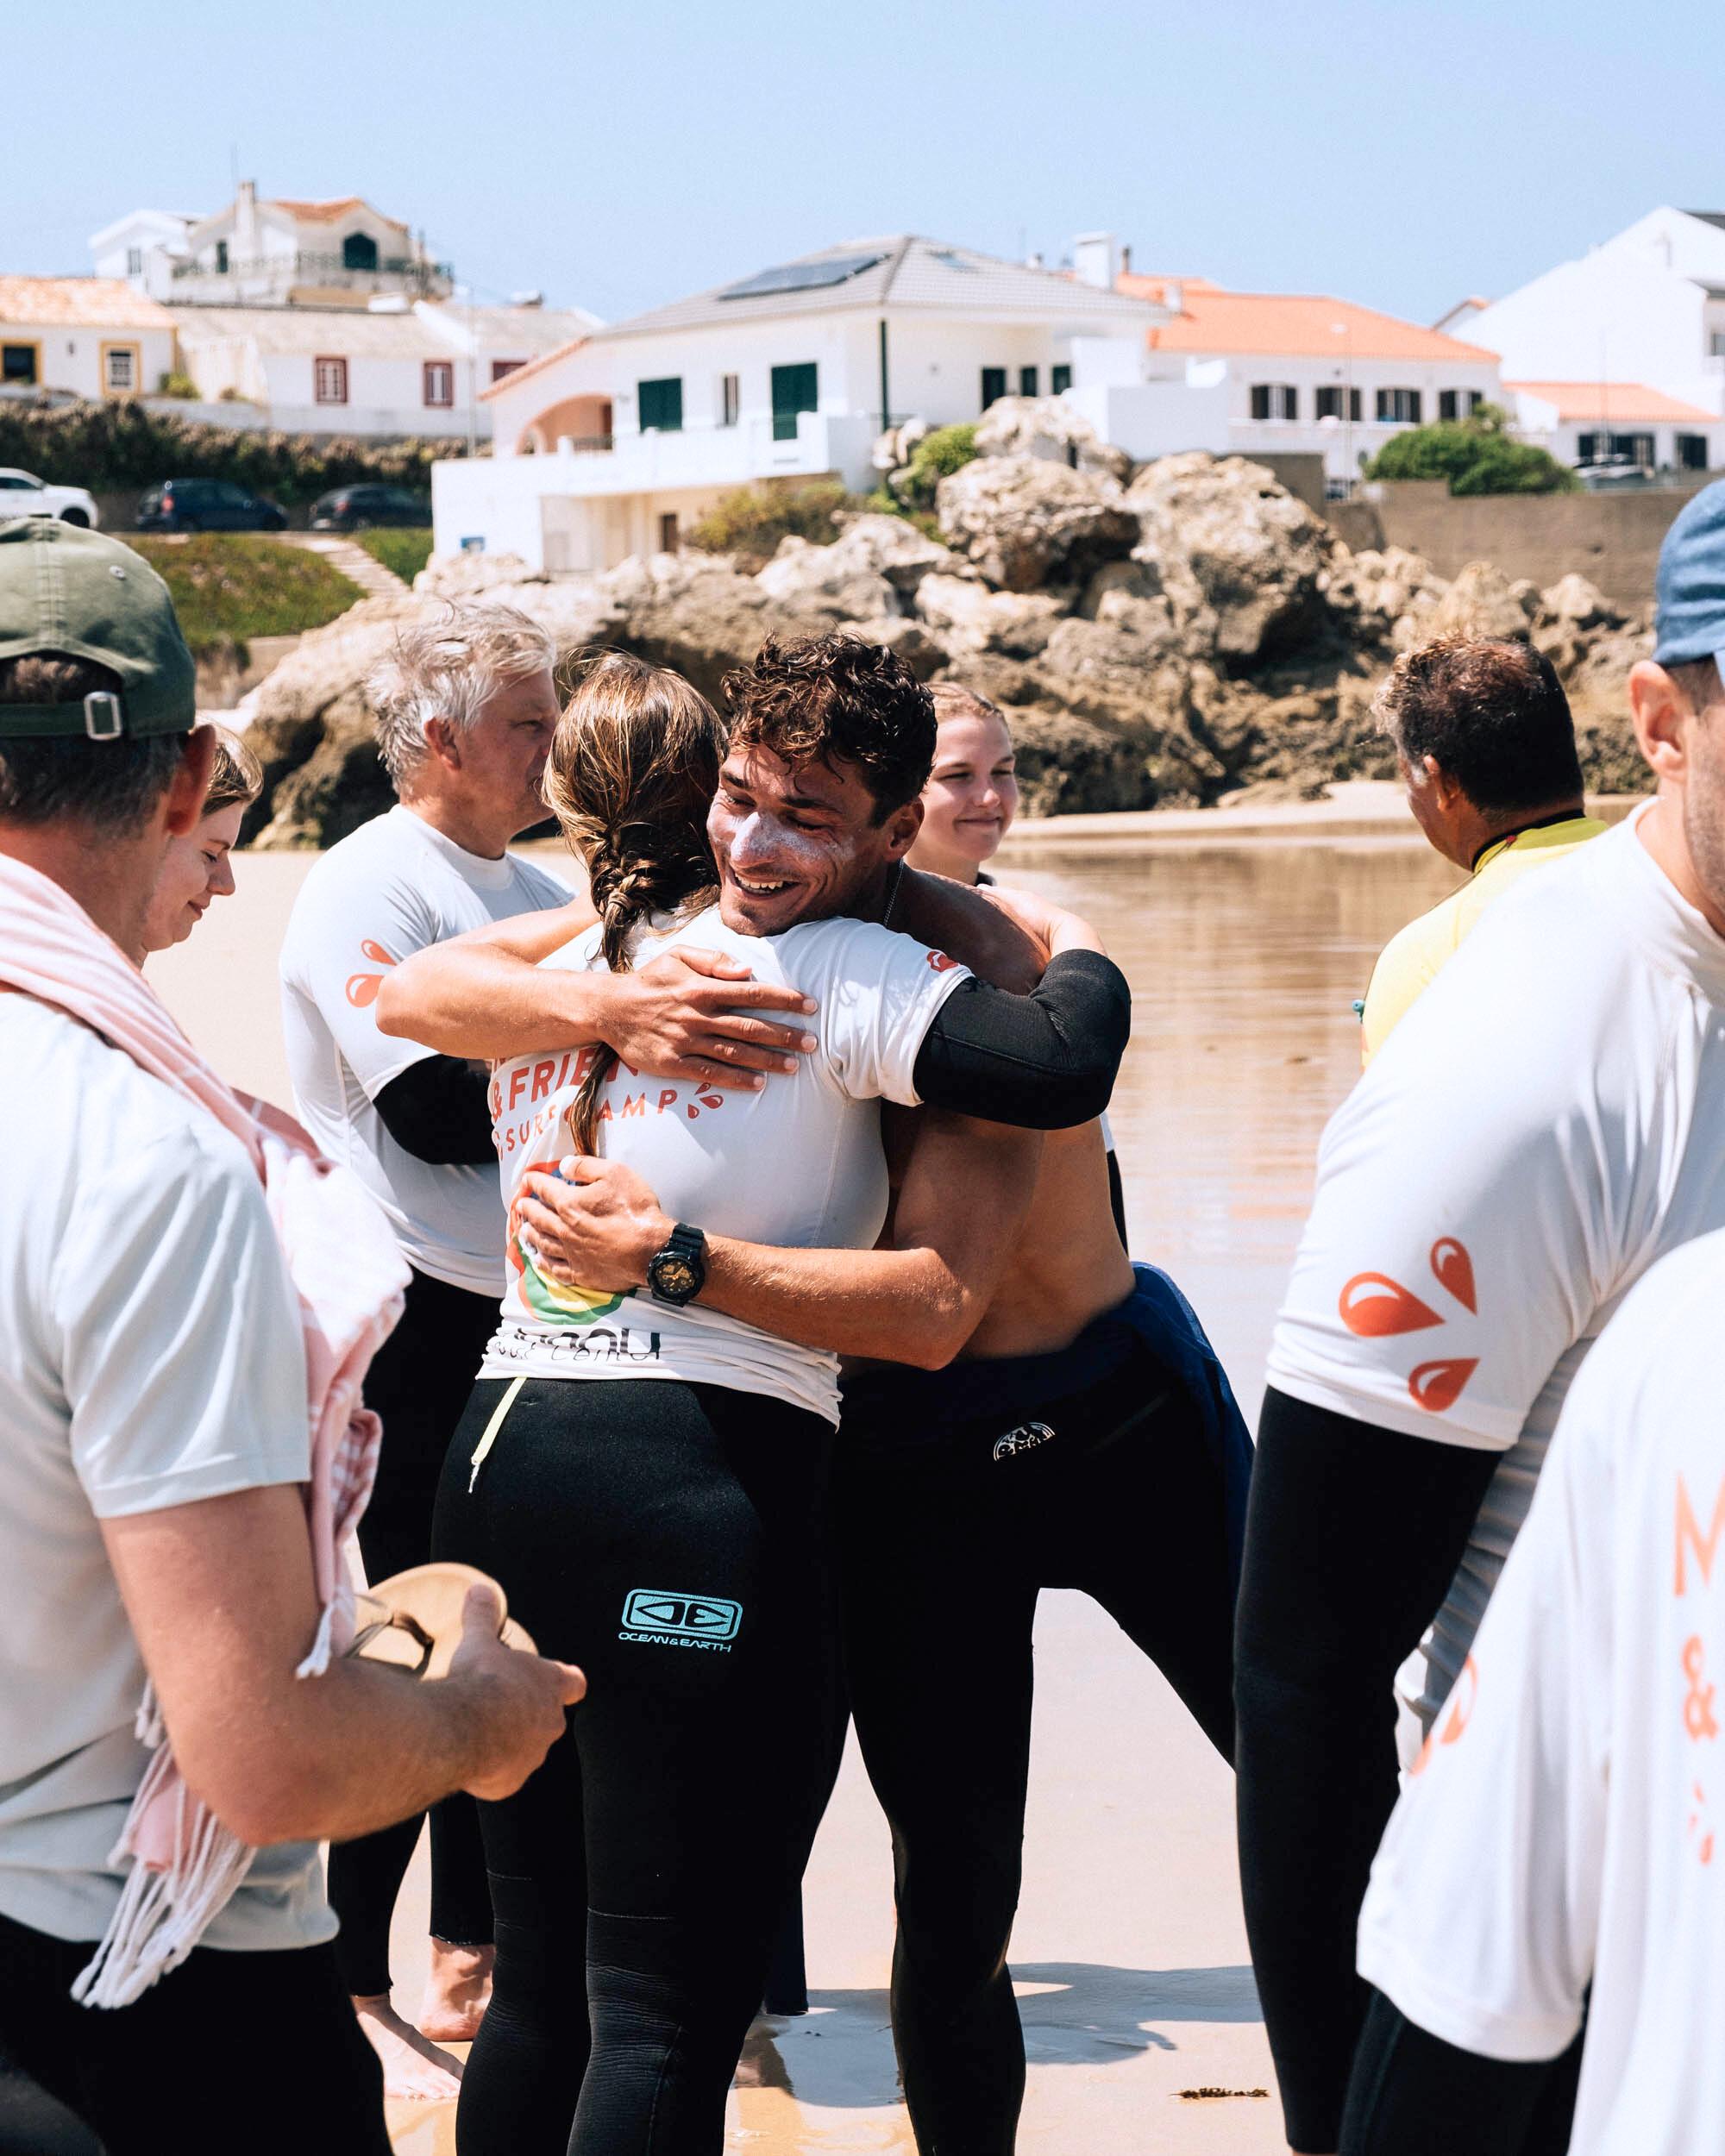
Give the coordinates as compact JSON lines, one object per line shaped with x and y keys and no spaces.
{"x":1130,"y":1950}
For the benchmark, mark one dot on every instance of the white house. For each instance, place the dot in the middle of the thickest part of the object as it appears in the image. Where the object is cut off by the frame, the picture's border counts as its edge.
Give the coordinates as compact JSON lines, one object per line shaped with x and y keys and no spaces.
{"x":1594,"y":422}
{"x":1261,"y":373}
{"x":614,"y":444}
{"x":1645,"y":308}
{"x":274,"y":251}
{"x":92,"y":335}
{"x":391,"y":368}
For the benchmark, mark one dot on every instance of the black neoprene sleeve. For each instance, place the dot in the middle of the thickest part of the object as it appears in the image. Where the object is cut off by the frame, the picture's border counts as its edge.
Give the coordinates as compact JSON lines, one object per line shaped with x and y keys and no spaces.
{"x":438,"y":1111}
{"x":1044,"y":1061}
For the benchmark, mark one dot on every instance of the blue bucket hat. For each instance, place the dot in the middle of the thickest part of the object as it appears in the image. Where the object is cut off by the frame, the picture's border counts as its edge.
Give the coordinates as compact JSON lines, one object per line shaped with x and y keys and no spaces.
{"x":1690,"y":616}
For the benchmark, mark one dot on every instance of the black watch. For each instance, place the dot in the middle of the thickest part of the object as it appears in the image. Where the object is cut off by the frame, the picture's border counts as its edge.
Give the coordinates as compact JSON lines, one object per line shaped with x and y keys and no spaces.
{"x":678,"y":1273}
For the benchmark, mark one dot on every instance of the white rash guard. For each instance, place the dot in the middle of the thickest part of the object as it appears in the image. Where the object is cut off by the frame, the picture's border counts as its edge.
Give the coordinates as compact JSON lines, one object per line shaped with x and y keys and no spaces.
{"x":798,"y":1164}
{"x":391,"y":888}
{"x":1546,"y":1121}
{"x":1567,"y":1824}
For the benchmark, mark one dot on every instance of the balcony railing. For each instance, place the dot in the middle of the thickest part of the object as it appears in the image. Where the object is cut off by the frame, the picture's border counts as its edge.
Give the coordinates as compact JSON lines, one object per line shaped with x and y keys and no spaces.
{"x":321,"y":269}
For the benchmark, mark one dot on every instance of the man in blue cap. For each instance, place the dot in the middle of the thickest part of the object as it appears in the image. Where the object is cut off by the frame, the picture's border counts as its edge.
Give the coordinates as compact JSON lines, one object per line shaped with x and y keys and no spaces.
{"x":1543,"y":1124}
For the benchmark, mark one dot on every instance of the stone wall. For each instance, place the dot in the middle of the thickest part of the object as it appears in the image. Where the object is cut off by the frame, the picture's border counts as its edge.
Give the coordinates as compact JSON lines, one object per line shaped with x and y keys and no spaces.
{"x":1612,"y":540}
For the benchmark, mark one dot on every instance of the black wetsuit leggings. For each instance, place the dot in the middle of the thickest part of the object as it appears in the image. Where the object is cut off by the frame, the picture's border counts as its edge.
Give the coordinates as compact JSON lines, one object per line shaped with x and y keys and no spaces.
{"x":181,"y":2071}
{"x":418,"y":1382}
{"x":945,"y":1543}
{"x":1353,"y":1535}
{"x":672,"y":1540}
{"x":1414,"y":2094}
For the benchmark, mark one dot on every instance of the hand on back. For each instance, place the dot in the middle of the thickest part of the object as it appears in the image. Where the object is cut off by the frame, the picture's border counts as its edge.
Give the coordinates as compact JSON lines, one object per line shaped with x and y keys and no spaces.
{"x":688,"y":1014}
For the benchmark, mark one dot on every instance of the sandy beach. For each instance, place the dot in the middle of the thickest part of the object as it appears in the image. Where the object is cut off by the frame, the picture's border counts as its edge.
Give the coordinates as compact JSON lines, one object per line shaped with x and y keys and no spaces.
{"x":1130,"y":1953}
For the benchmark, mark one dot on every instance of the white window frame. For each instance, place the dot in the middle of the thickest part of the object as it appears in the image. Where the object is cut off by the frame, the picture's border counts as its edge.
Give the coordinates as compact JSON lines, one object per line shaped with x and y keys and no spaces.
{"x":330,"y":389}
{"x":729,"y":400}
{"x":134,"y":363}
{"x":433,"y":372}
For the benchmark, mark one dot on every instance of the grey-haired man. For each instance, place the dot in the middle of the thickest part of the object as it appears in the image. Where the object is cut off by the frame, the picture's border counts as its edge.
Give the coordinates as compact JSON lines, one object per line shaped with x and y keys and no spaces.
{"x":464,"y":708}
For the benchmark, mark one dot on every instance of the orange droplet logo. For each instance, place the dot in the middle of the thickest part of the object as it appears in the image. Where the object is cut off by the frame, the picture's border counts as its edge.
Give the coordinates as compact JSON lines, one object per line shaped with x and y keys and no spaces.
{"x":1454,"y":1268}
{"x":362,"y":987}
{"x":1436,"y":1386}
{"x":1373,"y":1305}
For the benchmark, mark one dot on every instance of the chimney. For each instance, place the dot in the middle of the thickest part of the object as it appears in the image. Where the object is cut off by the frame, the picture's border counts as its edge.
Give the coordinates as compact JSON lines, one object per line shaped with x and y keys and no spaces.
{"x":1174,"y":296}
{"x":246,"y":221}
{"x":1125,"y":261}
{"x":1095,"y":259}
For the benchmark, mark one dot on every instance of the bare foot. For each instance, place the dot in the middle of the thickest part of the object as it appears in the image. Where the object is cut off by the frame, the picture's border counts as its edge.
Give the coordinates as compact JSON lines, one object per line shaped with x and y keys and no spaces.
{"x":457,"y":1992}
{"x":413,"y":2066}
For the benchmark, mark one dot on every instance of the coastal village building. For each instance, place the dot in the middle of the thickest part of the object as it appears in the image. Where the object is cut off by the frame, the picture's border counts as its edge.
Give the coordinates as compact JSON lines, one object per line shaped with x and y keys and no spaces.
{"x":322,"y":318}
{"x":89,"y":336}
{"x":614,"y":444}
{"x":1263,"y":374}
{"x":1643,"y":312}
{"x":1589,"y":423}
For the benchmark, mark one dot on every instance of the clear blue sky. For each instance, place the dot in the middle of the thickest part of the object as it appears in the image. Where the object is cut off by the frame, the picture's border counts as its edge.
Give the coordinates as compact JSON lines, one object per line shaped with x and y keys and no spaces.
{"x":1397,"y":154}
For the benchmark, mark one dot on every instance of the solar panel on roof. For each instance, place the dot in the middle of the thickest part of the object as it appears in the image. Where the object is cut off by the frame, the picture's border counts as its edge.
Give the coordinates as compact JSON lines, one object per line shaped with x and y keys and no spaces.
{"x":952,"y":262}
{"x":802,"y":276}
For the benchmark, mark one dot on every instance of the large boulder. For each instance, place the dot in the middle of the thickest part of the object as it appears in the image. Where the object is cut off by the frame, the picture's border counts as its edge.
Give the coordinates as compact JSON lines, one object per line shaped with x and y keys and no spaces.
{"x":1027,"y":523}
{"x":874,"y":566}
{"x":1371,"y":593}
{"x":1483,"y":602}
{"x":1230,"y":541}
{"x":967,"y":616}
{"x":1049,"y":427}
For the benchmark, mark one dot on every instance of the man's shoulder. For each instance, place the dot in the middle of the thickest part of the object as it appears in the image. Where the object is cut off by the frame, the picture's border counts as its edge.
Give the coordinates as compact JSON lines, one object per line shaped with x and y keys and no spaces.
{"x":91,"y":1105}
{"x":542,"y":886}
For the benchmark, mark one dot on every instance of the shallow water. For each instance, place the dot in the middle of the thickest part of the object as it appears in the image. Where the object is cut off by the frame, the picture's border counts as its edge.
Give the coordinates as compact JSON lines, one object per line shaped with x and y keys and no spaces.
{"x":1129,"y":1951}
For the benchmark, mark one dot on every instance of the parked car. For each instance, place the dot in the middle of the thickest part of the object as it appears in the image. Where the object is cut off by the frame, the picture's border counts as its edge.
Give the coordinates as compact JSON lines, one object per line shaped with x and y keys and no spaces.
{"x":207,"y":505}
{"x":1615,"y":474}
{"x":351,"y":508}
{"x":23,"y":494}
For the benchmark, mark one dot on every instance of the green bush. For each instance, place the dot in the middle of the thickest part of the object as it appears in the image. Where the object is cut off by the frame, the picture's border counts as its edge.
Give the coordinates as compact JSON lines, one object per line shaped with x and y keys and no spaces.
{"x":405,"y":549}
{"x":936,"y":457}
{"x":177,"y":384}
{"x":228,"y":587}
{"x":751,"y":522}
{"x":118,"y":444}
{"x":1475,"y":455}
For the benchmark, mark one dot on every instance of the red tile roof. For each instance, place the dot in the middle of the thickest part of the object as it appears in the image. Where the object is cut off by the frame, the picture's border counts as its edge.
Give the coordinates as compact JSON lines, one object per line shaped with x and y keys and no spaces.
{"x":1287,"y":325}
{"x":79,"y":303}
{"x":328,"y":212}
{"x":1613,"y":400}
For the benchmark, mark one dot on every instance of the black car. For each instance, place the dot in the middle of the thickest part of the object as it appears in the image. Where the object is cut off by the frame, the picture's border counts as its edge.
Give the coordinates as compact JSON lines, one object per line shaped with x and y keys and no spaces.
{"x":351,"y":508}
{"x":207,"y":505}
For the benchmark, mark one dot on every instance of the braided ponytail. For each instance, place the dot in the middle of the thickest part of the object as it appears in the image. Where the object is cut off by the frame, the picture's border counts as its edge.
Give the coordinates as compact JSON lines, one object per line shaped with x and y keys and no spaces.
{"x":631,"y":777}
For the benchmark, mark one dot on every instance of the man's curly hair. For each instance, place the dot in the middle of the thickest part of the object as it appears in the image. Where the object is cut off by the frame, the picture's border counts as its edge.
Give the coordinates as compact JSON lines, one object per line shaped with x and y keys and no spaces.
{"x":836,"y":700}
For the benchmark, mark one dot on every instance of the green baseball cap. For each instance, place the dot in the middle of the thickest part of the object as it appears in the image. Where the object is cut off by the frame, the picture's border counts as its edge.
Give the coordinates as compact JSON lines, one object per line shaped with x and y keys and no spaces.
{"x":68,"y":589}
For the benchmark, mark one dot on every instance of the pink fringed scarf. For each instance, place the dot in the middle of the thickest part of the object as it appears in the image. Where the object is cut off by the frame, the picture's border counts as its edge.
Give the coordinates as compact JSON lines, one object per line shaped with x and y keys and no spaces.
{"x":350,"y":1276}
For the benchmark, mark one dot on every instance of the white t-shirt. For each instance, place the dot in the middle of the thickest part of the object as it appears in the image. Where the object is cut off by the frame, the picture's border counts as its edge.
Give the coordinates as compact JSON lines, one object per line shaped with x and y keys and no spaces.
{"x":797,"y":1164}
{"x":150,"y":1355}
{"x":1546,"y":1121}
{"x":1568,"y":1823}
{"x":392,"y":887}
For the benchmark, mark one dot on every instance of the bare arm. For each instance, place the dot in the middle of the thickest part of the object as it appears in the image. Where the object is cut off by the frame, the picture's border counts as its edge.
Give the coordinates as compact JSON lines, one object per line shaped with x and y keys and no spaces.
{"x":917,"y":1303}
{"x":220,"y":1600}
{"x":685,"y":1015}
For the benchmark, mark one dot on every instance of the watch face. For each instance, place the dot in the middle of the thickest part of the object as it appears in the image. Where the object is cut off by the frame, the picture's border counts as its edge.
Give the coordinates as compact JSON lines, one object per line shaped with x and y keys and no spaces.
{"x":675,"y":1276}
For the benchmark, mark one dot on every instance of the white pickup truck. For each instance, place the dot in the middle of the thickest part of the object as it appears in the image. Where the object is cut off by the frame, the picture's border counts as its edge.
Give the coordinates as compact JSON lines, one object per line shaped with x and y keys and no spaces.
{"x":23,"y":494}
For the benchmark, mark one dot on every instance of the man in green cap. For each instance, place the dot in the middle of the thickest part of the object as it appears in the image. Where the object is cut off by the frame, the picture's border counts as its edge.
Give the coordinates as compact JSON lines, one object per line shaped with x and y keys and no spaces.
{"x":153,"y":1440}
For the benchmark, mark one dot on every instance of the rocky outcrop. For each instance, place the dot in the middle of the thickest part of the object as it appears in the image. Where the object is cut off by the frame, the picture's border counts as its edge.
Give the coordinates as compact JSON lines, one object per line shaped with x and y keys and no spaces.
{"x":1241,"y":562}
{"x":1028,"y":524}
{"x":1049,"y":427}
{"x":1168,"y":643}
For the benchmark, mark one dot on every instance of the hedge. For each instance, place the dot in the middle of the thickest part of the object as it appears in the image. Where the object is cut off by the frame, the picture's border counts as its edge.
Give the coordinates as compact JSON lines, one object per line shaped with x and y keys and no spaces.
{"x":121,"y":444}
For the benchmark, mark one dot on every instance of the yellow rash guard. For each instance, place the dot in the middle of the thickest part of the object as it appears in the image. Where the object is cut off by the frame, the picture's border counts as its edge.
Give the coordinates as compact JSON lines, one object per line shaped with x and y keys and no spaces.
{"x":1411,"y":961}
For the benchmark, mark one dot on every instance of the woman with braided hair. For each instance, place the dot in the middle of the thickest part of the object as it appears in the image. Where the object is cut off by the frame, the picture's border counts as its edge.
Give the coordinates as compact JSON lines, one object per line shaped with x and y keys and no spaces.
{"x":648,"y":1476}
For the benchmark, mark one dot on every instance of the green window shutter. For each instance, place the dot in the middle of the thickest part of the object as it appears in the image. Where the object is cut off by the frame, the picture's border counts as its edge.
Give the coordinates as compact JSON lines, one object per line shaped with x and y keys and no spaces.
{"x":661,"y":404}
{"x":994,"y":385}
{"x":795,"y":389}
{"x":1059,"y":378}
{"x":1028,"y":378}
